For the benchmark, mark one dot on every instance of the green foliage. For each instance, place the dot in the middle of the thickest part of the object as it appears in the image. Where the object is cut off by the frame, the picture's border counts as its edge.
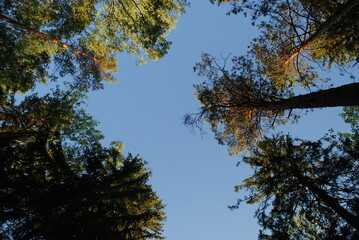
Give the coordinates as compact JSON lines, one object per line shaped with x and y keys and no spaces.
{"x":305,"y":190}
{"x":351,"y":116}
{"x":58,"y":182}
{"x":79,"y":38}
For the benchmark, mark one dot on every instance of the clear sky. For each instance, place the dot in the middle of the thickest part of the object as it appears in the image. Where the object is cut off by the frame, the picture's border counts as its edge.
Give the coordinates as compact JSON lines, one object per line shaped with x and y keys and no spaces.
{"x":191,"y":173}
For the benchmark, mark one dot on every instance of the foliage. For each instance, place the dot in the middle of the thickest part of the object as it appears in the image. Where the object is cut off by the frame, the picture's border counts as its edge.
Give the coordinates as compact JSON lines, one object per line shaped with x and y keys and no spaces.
{"x":351,"y":116}
{"x":79,"y":38}
{"x":58,"y":182}
{"x":305,"y":190}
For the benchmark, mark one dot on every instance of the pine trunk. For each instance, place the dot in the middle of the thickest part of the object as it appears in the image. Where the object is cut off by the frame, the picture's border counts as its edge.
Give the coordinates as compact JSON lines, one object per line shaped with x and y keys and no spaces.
{"x":329,"y":201}
{"x":346,"y":95}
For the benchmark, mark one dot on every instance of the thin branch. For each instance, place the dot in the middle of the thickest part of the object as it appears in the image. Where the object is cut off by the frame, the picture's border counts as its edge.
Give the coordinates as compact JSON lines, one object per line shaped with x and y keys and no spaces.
{"x":347,"y":7}
{"x":47,"y":37}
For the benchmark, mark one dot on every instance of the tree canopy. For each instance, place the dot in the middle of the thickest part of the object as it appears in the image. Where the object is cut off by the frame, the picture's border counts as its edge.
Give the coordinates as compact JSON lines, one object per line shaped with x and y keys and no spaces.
{"x":79,"y":38}
{"x":58,"y":182}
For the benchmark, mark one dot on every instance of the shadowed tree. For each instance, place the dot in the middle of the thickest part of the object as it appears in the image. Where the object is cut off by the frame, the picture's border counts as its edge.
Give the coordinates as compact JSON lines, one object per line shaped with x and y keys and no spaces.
{"x":241,"y":104}
{"x":58,"y":182}
{"x":305,"y":190}
{"x":79,"y":38}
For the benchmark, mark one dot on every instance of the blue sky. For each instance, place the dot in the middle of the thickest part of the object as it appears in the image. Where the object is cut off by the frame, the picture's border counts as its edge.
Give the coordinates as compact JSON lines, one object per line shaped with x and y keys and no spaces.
{"x":192,"y":174}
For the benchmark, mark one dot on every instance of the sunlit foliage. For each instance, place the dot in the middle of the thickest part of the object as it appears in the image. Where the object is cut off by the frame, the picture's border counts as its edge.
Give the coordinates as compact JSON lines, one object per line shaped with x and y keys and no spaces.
{"x":79,"y":38}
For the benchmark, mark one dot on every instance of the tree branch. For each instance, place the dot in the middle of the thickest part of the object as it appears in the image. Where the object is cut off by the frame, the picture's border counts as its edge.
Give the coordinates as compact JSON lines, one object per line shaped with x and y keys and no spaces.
{"x":347,"y":7}
{"x":47,"y":37}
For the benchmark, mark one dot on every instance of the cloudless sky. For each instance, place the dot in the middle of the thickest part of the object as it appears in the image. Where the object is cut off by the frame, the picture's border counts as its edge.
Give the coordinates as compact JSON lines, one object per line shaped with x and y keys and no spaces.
{"x":192,"y":174}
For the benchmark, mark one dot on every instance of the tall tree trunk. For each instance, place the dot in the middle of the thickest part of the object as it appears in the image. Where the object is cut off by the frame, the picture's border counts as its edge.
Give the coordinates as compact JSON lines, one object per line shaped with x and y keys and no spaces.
{"x":47,"y":37}
{"x":346,"y":95}
{"x":349,"y":5}
{"x":329,"y":201}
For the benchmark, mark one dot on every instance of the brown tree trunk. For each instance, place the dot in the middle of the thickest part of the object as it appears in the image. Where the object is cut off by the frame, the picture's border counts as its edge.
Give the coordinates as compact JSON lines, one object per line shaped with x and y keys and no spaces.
{"x":47,"y":37}
{"x":329,"y":201}
{"x":349,"y":5}
{"x":346,"y":95}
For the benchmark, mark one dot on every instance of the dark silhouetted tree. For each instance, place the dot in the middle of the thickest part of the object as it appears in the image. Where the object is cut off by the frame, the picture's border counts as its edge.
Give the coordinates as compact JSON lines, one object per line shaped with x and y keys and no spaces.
{"x":305,"y":190}
{"x":58,"y":182}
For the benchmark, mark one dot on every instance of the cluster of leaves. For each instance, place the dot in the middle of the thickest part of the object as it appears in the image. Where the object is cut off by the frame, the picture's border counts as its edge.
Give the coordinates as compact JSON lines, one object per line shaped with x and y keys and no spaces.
{"x":79,"y":38}
{"x":57,"y":181}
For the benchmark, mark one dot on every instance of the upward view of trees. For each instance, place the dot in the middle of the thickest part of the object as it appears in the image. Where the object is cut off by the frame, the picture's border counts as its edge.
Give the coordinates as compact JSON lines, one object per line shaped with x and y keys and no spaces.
{"x":58,"y":181}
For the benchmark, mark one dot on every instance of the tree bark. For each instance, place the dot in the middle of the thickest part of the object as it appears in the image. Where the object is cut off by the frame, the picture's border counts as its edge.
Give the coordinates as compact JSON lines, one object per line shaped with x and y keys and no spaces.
{"x":346,"y":95}
{"x":349,"y":5}
{"x":329,"y":201}
{"x":47,"y":37}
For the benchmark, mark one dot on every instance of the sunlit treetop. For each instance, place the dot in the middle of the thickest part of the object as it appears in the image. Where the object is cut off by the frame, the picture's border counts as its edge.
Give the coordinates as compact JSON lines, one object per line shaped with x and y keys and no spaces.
{"x":296,"y":34}
{"x":80,"y":38}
